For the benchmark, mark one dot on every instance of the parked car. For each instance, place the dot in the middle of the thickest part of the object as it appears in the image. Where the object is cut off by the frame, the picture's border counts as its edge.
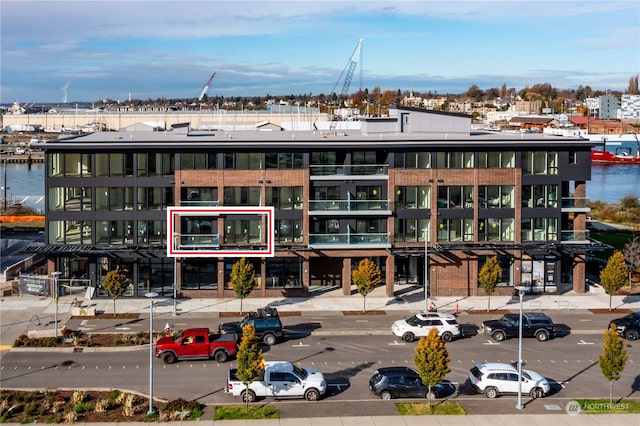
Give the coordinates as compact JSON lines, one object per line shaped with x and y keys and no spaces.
{"x":628,"y":326}
{"x":405,"y":382}
{"x":279,"y":379}
{"x":496,"y":378}
{"x":534,"y":324}
{"x":197,"y":343}
{"x":420,"y":324}
{"x":265,"y":321}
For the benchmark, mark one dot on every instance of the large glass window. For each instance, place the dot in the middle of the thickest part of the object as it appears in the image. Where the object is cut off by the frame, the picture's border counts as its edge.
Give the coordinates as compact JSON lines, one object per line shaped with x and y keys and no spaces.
{"x":452,"y":197}
{"x":412,"y":160}
{"x":240,"y":231}
{"x":242,"y":160}
{"x":283,"y":272}
{"x":242,"y":196}
{"x":155,"y":164}
{"x":540,"y":163}
{"x":70,"y":198}
{"x":496,"y":229}
{"x":288,"y":230}
{"x":284,"y":197}
{"x":199,"y":273}
{"x":454,"y":160}
{"x":284,"y":160}
{"x":495,"y":196}
{"x":499,"y":159}
{"x":410,"y":230}
{"x":198,"y":161}
{"x":199,"y":196}
{"x":539,"y":229}
{"x":413,"y":197}
{"x":69,"y":232}
{"x":455,"y":229}
{"x":506,"y":264}
{"x":540,"y":196}
{"x":151,"y":231}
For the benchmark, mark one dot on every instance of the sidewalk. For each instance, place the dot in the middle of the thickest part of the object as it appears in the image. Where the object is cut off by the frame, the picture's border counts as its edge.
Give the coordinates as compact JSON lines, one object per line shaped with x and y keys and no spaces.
{"x":19,"y":314}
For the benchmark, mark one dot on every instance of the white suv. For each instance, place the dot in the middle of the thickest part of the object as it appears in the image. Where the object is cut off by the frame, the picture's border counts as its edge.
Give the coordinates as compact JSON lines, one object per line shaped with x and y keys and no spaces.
{"x":495,"y":378}
{"x":419,"y":326}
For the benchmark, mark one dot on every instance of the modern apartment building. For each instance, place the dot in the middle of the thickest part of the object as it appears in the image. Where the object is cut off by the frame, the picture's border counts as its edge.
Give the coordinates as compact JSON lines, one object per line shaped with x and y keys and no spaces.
{"x":305,"y":206}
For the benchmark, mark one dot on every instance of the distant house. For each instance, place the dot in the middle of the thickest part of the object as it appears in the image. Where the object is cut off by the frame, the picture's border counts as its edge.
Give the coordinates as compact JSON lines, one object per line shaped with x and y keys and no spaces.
{"x":529,"y":123}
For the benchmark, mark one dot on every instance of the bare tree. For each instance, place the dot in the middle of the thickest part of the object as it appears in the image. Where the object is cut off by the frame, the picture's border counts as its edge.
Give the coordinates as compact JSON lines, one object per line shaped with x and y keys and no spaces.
{"x":631,"y":252}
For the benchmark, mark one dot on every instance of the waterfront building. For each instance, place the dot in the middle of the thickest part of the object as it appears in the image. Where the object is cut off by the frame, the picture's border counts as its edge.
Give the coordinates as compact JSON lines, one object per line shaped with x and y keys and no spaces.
{"x":305,"y":206}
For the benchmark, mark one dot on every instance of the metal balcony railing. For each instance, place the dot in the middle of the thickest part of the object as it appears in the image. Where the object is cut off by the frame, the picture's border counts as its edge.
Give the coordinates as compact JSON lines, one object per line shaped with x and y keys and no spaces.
{"x":574,"y":203}
{"x":210,"y":203}
{"x":348,"y":205}
{"x":196,"y":241}
{"x":381,"y":170}
{"x":574,"y":236}
{"x":349,"y":239}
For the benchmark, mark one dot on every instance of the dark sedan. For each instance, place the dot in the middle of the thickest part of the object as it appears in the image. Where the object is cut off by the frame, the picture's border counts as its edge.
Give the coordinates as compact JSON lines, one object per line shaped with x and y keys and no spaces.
{"x":404,"y":382}
{"x":628,"y":326}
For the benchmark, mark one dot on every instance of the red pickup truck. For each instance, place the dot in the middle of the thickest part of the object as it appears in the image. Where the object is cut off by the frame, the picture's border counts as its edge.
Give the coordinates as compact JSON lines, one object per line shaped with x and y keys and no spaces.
{"x":197,"y":343}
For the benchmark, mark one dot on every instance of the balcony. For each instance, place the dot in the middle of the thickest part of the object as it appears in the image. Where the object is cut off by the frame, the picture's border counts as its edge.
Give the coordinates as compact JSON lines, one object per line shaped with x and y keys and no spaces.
{"x":574,"y":236}
{"x":196,"y":241}
{"x":349,"y":241}
{"x":359,"y":172}
{"x":575,"y":204}
{"x":349,"y":207}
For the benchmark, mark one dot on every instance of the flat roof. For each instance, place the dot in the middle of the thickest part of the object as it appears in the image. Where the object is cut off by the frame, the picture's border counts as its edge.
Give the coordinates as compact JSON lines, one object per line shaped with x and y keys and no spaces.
{"x":264,"y":140}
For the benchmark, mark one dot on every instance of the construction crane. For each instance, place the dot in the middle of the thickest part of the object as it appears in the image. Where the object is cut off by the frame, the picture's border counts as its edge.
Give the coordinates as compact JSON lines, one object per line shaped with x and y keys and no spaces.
{"x":205,"y":89}
{"x":349,"y":69}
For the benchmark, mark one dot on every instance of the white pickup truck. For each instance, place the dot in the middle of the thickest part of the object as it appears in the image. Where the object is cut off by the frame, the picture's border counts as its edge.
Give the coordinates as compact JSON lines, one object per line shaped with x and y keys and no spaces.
{"x":280,"y":379}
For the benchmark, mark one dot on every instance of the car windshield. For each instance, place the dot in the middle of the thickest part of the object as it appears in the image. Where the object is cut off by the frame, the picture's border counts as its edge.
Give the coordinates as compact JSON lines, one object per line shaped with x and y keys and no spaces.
{"x":632,"y":316}
{"x":526,"y":376}
{"x":508,"y":321}
{"x":414,"y":320}
{"x":301,"y":372}
{"x":178,"y":336}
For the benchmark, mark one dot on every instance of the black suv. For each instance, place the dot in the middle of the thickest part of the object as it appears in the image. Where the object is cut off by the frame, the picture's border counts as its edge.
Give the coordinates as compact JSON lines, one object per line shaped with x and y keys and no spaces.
{"x":265,"y":321}
{"x":534,"y":324}
{"x":628,"y":326}
{"x":404,"y":382}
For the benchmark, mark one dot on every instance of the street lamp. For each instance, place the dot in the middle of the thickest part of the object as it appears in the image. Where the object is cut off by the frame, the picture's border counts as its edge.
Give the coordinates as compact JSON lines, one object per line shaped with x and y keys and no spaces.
{"x":426,"y":269}
{"x":55,"y":274}
{"x":519,"y":405}
{"x":150,"y":296}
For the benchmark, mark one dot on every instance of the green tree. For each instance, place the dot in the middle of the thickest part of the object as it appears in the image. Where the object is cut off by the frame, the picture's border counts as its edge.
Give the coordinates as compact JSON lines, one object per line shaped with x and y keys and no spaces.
{"x":432,"y":361}
{"x":614,"y":357}
{"x":243,"y":279}
{"x":490,"y":274}
{"x":366,"y":277}
{"x":115,"y":283}
{"x":249,"y":359}
{"x":614,"y":275}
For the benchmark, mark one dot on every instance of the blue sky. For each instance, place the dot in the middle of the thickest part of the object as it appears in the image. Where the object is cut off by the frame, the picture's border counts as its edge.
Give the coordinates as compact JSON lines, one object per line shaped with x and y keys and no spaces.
{"x":168,"y":49}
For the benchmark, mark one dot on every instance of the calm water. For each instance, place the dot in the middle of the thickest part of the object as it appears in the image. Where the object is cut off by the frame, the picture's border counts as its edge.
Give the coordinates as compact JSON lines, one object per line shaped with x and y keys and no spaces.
{"x":609,"y":183}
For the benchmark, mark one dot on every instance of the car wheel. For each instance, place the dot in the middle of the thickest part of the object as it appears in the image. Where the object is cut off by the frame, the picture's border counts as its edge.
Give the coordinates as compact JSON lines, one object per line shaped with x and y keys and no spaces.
{"x":269,"y":339}
{"x":248,"y":396}
{"x":431,"y":395}
{"x":385,"y":395}
{"x":408,"y":337}
{"x":536,"y":393}
{"x":491,"y":392}
{"x":312,"y":395}
{"x":220,"y":356}
{"x":499,"y":336}
{"x":447,"y":336}
{"x":542,"y":336}
{"x":169,"y":358}
{"x":631,"y":334}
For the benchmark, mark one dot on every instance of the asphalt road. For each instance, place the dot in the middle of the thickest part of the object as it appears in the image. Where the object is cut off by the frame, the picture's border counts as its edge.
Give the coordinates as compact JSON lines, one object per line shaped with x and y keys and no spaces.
{"x":347,"y":350}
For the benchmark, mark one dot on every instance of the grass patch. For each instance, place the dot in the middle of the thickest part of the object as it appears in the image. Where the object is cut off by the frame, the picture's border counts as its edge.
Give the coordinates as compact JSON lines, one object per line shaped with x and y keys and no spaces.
{"x":602,"y":406}
{"x":238,"y":412}
{"x":445,"y":408}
